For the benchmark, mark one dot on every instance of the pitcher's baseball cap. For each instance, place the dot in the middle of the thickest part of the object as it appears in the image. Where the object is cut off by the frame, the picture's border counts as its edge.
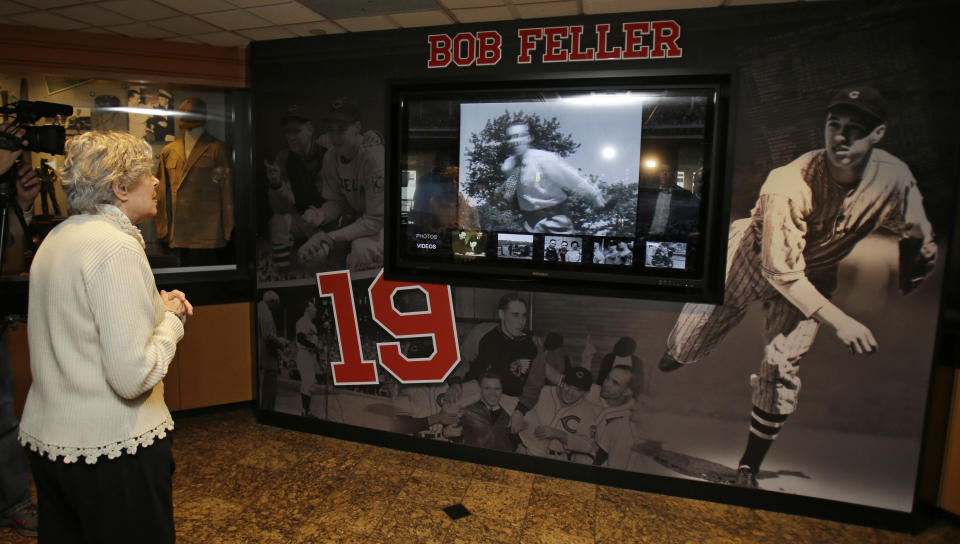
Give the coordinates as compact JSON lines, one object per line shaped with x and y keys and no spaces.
{"x":625,"y":347}
{"x":343,"y":111}
{"x":579,"y":377}
{"x":293,"y":113}
{"x":863,"y":99}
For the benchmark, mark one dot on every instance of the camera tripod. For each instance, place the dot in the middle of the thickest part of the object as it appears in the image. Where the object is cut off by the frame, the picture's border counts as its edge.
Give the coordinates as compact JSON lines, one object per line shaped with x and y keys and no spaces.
{"x":6,"y":190}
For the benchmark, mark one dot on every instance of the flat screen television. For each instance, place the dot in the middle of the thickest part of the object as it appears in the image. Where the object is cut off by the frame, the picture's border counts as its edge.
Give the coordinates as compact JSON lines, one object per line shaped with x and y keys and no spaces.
{"x":606,"y":186}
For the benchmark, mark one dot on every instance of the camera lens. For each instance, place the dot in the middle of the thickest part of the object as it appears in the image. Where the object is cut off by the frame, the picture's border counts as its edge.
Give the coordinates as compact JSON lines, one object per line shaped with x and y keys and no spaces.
{"x":45,"y":139}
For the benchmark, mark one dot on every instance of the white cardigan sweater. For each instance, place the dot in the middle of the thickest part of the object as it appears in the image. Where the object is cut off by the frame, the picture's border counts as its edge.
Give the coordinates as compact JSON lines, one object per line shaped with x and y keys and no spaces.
{"x":100,"y":342}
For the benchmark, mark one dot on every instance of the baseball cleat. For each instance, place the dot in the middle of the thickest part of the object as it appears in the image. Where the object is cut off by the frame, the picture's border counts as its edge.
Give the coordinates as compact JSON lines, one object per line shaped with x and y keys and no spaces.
{"x":746,"y":478}
{"x":668,"y":363}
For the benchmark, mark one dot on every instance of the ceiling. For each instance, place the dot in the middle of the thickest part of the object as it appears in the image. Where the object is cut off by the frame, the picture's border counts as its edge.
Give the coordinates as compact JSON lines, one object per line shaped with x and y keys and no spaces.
{"x":235,"y":23}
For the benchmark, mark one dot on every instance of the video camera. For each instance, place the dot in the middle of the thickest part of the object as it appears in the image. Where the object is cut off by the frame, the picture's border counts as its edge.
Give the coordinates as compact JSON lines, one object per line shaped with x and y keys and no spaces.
{"x":45,"y":139}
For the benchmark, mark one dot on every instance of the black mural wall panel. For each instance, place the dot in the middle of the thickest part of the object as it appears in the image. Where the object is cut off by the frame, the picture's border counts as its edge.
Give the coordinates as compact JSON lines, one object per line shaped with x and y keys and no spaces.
{"x":856,"y":435}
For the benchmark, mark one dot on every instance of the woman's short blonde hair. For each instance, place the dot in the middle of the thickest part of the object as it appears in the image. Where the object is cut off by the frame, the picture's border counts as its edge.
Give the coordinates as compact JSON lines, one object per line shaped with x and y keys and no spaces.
{"x":95,"y":160}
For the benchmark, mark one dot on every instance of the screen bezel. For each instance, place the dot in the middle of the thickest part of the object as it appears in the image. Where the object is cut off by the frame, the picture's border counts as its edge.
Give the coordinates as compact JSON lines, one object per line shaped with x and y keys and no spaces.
{"x":707,"y":288}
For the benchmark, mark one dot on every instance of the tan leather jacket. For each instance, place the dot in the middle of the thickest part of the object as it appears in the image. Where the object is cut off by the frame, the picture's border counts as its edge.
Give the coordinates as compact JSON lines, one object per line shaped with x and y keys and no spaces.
{"x":201,"y":189}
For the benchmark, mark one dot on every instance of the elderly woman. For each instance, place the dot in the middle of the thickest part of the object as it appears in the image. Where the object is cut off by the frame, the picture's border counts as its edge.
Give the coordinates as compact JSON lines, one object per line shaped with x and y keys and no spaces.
{"x":101,"y":340}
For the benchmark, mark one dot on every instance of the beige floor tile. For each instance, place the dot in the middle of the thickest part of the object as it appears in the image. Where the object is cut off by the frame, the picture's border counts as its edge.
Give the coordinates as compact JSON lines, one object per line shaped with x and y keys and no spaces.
{"x":314,"y":534}
{"x":433,"y":488}
{"x":571,"y":488}
{"x":478,"y":529}
{"x":410,"y":522}
{"x":545,"y":535}
{"x":373,"y":483}
{"x":567,"y":514}
{"x":360,"y":514}
{"x":797,"y":529}
{"x":272,"y":455}
{"x":242,"y":484}
{"x":386,"y":462}
{"x":497,"y":501}
{"x":239,"y":482}
{"x":505,"y":476}
{"x":202,"y":519}
{"x":451,"y":467}
{"x":616,"y":524}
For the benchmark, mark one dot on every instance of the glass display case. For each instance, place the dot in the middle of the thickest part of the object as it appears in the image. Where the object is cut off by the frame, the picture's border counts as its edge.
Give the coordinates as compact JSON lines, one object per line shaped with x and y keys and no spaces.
{"x":194,"y":132}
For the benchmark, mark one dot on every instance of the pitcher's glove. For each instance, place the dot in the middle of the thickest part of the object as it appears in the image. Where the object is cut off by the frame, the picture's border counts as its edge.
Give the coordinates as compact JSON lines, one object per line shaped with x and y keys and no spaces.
{"x":917,"y":261}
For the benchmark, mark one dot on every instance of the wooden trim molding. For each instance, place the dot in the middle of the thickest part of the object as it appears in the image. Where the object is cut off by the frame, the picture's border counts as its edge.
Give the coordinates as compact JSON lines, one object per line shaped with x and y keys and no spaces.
{"x":65,"y":53}
{"x":950,"y":478}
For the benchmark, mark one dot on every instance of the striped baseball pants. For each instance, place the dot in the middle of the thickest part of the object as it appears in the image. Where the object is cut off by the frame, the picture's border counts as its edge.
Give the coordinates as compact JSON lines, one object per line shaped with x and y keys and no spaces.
{"x":787,"y":333}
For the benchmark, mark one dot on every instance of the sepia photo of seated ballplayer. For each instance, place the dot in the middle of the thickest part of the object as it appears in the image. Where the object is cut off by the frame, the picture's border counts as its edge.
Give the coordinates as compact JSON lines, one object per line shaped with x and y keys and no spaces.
{"x":352,"y":181}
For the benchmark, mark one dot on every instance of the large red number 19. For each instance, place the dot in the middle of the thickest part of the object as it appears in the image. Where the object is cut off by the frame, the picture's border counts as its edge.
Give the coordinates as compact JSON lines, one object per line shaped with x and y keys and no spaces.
{"x":437,"y":322}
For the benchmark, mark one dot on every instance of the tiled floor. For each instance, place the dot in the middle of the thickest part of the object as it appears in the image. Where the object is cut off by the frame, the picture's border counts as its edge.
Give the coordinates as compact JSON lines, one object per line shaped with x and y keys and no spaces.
{"x":240,"y":482}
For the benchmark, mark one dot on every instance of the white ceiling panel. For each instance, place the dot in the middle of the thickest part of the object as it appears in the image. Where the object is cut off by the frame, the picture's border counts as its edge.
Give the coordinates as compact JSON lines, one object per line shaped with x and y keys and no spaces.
{"x":93,"y":15}
{"x":287,"y":13}
{"x":616,"y":6}
{"x":421,"y":18}
{"x":185,"y":25}
{"x":268,"y":33}
{"x":184,"y":39}
{"x":7,"y":7}
{"x":460,"y":4}
{"x":348,"y":9}
{"x":198,"y":6}
{"x":548,"y":9}
{"x":254,"y":3}
{"x":682,"y":4}
{"x":142,"y":30}
{"x":45,"y":19}
{"x":315,"y":29}
{"x":205,"y":21}
{"x":480,"y":15}
{"x":223,"y":39}
{"x":47,"y":4}
{"x":364,"y":24}
{"x":234,"y":19}
{"x":140,"y":10}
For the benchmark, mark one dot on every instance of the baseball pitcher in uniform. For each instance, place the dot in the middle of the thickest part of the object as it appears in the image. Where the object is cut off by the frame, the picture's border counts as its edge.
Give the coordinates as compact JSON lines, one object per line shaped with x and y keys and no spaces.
{"x":810,"y":214}
{"x":307,"y":347}
{"x":539,"y":182}
{"x":271,"y":347}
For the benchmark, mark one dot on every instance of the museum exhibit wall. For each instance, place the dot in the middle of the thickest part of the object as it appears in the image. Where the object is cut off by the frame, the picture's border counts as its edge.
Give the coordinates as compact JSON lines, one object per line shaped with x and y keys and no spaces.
{"x":852,"y":447}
